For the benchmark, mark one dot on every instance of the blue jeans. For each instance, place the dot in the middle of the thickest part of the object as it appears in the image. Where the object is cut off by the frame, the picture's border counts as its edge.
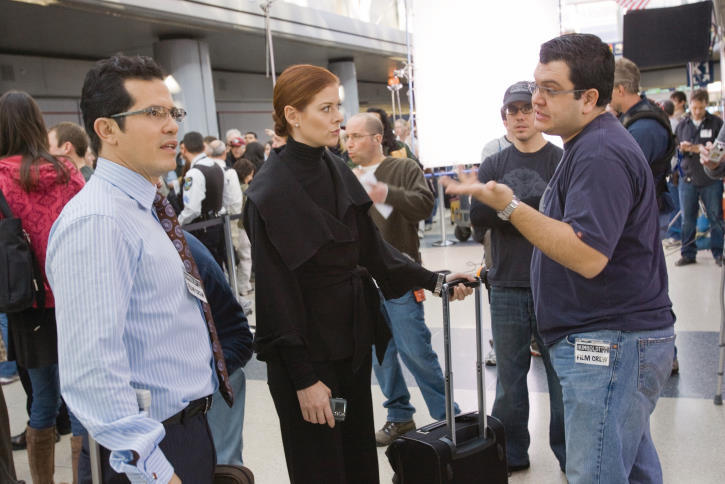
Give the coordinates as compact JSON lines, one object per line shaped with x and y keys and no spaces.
{"x":514,"y":323}
{"x":226,"y":423}
{"x":7,"y":368}
{"x":46,"y":396}
{"x":607,"y":407}
{"x":711,"y":196}
{"x":411,"y":338}
{"x":674,"y":197}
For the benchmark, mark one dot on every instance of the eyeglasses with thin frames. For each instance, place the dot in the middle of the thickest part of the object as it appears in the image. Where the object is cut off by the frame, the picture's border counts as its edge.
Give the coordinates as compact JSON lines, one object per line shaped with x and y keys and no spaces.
{"x":159,"y":113}
{"x":356,"y":137}
{"x":548,"y":92}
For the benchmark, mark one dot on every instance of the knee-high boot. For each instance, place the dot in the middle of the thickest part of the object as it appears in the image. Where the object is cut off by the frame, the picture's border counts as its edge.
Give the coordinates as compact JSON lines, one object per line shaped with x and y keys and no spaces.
{"x":76,"y":442}
{"x":41,"y":454}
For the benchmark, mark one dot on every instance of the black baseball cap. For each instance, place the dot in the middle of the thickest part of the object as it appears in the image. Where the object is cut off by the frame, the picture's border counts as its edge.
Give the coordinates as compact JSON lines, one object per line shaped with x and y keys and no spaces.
{"x":517,"y":92}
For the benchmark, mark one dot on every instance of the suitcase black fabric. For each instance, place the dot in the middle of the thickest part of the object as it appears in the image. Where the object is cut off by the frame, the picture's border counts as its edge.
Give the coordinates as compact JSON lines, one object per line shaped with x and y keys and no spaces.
{"x":429,"y":455}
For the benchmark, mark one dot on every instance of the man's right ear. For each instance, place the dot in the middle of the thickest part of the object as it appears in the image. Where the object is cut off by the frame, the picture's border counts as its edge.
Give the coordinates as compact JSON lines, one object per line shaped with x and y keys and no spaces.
{"x":107,"y":130}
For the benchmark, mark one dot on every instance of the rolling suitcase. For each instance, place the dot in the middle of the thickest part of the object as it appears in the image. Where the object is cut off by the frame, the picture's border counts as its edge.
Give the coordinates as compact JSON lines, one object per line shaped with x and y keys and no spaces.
{"x":466,"y":449}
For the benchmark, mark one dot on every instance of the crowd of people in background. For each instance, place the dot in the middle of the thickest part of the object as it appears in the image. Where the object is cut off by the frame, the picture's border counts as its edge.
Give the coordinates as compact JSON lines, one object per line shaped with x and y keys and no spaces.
{"x":128,"y":224}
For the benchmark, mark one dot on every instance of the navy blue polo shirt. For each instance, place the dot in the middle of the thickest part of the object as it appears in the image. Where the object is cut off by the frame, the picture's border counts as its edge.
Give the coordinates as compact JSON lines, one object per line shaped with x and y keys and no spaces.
{"x":603,"y":188}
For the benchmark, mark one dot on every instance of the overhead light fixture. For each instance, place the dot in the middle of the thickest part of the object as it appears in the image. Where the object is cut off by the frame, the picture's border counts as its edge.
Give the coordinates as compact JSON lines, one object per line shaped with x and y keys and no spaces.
{"x":42,"y":3}
{"x":172,"y":85}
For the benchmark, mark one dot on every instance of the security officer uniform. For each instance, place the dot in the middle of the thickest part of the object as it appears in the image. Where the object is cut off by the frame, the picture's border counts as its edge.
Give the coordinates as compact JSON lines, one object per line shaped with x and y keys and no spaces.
{"x":203,"y":194}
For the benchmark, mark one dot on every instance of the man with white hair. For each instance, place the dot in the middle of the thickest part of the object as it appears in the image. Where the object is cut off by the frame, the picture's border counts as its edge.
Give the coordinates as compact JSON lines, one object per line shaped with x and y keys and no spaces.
{"x":232,"y":193}
{"x":235,"y":146}
{"x":232,"y":203}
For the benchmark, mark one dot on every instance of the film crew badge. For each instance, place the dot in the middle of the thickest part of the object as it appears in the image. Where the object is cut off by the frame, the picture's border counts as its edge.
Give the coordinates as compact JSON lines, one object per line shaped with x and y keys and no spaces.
{"x":194,"y":286}
{"x":187,"y":182}
{"x":591,"y":352}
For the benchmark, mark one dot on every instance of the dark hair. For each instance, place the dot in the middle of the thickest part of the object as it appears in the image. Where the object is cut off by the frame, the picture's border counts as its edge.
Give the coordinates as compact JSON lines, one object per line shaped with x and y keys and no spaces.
{"x":193,"y":142}
{"x":243,"y":167}
{"x":296,"y":87}
{"x":700,"y":95}
{"x":590,"y":62}
{"x":389,"y":142}
{"x":209,"y":139}
{"x":67,"y":131}
{"x":678,"y":96}
{"x":668,"y":107}
{"x":104,"y":94}
{"x":22,"y":132}
{"x":252,"y":133}
{"x":254,"y":152}
{"x":503,"y":113}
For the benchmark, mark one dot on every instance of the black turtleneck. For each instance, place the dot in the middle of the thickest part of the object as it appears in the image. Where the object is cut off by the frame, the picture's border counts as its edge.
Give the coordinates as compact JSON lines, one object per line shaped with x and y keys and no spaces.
{"x":311,"y":170}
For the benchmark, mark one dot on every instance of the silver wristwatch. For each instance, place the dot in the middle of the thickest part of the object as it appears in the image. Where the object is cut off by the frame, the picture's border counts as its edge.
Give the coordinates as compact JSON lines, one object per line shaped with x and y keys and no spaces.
{"x":439,"y":284}
{"x":505,"y":214}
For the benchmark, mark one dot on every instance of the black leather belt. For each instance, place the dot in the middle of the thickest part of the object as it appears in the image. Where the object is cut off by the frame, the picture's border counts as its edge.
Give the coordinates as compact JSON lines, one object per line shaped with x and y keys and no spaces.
{"x":196,"y":407}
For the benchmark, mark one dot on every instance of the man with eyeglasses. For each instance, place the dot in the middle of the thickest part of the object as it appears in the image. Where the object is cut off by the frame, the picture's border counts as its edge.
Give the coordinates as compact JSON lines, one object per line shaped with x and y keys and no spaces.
{"x":128,"y":315}
{"x":598,"y":274}
{"x":526,"y":166}
{"x":402,"y":199}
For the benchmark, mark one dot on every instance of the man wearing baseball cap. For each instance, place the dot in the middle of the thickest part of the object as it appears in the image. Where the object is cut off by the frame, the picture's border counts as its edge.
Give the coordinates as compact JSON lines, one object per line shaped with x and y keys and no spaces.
{"x":236,"y":146}
{"x":526,"y":166}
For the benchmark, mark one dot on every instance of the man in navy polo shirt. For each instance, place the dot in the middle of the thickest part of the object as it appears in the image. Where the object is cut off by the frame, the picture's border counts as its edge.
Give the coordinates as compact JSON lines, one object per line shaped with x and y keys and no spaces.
{"x":598,"y":272}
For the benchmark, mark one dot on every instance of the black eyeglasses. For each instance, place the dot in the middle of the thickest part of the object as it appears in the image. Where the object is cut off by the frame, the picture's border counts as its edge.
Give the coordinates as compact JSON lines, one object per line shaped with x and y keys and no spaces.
{"x":513,"y":110}
{"x":159,"y":113}
{"x":548,"y":92}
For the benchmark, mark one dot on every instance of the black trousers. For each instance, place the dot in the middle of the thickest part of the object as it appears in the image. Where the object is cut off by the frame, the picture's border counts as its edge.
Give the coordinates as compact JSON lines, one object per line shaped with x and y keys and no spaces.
{"x":187,"y":446}
{"x":7,"y":468}
{"x":316,"y":453}
{"x":213,"y":239}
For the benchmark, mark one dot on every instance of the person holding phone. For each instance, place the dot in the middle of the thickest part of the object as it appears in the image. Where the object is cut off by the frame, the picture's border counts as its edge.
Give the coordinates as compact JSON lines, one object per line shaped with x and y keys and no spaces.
{"x":695,"y":130}
{"x":316,"y":251}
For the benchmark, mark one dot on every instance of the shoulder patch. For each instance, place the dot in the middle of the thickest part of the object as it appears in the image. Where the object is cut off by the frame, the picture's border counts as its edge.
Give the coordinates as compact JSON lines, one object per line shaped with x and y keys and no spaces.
{"x":187,"y":182}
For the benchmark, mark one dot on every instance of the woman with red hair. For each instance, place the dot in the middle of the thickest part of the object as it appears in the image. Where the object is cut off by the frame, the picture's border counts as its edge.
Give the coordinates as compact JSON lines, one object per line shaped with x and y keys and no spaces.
{"x":316,"y":251}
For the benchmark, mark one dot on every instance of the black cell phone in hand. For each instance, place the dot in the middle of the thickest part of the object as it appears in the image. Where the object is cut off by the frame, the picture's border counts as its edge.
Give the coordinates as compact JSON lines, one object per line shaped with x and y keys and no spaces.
{"x":339,"y":408}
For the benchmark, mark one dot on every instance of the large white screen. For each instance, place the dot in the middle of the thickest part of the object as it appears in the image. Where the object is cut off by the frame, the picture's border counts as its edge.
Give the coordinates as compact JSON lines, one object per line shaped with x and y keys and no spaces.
{"x":466,"y":53}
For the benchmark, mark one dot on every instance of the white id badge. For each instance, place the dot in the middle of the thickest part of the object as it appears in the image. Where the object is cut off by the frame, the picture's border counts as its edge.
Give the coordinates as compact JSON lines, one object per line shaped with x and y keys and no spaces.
{"x":194,"y":286}
{"x":591,"y":352}
{"x":705,"y":133}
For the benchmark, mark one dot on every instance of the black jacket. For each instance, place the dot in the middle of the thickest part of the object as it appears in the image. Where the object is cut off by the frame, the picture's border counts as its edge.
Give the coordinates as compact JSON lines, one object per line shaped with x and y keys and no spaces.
{"x":315,"y":298}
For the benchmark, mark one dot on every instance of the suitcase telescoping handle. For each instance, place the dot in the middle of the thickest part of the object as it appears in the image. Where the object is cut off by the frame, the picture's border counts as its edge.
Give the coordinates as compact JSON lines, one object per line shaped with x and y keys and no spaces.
{"x":446,"y":291}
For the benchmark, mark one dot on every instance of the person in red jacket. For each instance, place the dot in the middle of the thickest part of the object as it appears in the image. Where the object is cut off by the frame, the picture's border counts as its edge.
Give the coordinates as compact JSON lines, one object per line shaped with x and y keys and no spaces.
{"x":36,"y":186}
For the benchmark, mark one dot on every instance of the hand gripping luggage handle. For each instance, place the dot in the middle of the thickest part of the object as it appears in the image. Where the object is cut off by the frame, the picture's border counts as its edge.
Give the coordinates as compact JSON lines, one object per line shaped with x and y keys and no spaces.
{"x":480,"y":380}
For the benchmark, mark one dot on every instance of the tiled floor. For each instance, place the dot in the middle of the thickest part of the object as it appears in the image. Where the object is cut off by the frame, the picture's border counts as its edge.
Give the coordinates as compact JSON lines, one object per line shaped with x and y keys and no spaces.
{"x":687,"y":427}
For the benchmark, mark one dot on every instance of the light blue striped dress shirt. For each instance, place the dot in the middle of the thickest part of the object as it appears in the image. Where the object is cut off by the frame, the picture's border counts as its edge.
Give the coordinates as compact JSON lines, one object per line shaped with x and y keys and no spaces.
{"x":125,"y":319}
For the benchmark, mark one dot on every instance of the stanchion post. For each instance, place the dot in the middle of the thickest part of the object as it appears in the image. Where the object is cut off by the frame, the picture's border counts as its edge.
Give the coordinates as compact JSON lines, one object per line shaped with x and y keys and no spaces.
{"x":721,"y":365}
{"x":231,"y":263}
{"x":442,"y":216}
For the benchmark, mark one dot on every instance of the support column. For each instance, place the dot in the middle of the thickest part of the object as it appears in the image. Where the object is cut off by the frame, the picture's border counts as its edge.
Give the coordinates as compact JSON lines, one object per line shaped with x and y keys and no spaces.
{"x":187,"y":60}
{"x":345,"y":70}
